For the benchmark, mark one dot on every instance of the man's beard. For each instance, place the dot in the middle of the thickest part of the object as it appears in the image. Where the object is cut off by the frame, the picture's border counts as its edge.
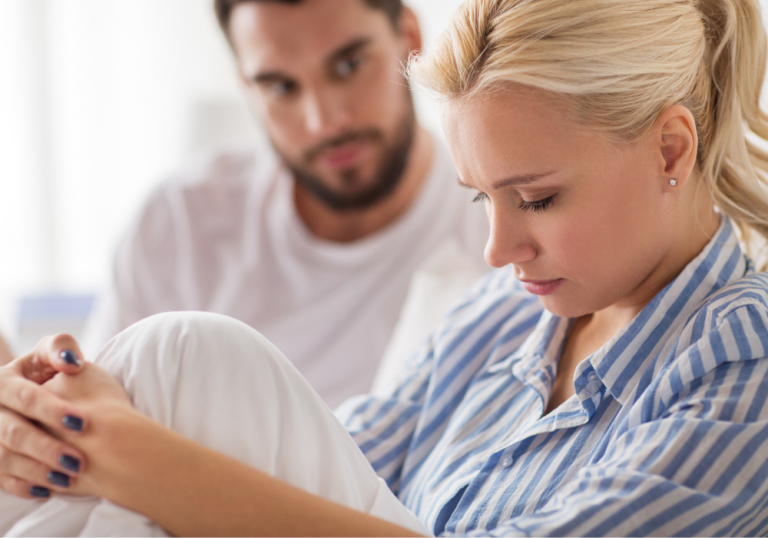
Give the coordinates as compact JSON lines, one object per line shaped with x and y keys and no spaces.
{"x":387,"y":176}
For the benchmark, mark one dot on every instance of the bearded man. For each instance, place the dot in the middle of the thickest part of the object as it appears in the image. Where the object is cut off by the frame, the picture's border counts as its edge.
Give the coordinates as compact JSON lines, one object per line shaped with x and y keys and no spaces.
{"x":313,"y":236}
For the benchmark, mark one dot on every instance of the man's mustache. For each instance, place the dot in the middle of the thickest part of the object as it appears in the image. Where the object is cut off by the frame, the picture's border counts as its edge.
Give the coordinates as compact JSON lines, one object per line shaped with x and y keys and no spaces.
{"x":368,"y":135}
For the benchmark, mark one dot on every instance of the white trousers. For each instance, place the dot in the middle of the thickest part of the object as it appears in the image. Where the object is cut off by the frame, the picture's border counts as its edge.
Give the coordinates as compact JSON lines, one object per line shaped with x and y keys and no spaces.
{"x":220,"y":383}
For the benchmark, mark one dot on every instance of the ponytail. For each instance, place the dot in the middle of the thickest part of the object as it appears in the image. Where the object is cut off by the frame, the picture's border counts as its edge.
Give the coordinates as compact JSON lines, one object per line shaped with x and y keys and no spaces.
{"x":621,"y":63}
{"x":734,"y":167}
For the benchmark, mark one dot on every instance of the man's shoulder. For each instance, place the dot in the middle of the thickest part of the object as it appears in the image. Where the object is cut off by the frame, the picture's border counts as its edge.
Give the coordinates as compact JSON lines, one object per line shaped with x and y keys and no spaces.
{"x":232,"y":168}
{"x":217,"y":180}
{"x":209,"y":196}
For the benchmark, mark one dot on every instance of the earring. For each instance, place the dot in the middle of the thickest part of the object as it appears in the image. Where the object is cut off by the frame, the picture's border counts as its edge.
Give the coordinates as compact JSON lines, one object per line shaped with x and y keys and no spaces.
{"x":672,"y":182}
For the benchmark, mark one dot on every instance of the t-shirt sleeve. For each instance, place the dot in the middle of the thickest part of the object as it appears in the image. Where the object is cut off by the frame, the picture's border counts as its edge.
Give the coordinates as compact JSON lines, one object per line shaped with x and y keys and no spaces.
{"x":142,"y":274}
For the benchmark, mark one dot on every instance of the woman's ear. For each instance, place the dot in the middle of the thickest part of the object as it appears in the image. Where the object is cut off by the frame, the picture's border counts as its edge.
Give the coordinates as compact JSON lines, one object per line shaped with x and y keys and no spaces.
{"x":678,"y":143}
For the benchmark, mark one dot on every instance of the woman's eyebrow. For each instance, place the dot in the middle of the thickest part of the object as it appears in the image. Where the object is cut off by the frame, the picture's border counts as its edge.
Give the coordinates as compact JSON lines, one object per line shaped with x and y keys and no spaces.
{"x":512,"y":181}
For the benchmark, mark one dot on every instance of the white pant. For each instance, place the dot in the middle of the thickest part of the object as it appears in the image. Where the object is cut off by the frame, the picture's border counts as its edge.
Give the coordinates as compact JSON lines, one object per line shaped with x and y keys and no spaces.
{"x":220,"y":383}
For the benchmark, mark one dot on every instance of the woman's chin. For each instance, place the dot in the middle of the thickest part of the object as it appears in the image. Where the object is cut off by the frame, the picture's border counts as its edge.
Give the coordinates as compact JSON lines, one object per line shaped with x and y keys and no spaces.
{"x":564,"y":307}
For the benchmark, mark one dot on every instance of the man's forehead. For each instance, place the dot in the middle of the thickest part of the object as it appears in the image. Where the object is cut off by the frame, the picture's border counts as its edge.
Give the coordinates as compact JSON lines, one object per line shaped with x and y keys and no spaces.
{"x":277,"y":36}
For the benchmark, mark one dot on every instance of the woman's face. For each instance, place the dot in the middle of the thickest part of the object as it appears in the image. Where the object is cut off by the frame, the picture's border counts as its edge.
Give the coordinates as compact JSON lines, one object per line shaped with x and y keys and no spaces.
{"x":582,"y":220}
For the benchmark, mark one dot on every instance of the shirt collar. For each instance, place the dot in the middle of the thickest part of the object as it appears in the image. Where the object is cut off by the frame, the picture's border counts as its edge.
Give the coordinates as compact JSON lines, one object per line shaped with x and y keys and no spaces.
{"x":621,"y":361}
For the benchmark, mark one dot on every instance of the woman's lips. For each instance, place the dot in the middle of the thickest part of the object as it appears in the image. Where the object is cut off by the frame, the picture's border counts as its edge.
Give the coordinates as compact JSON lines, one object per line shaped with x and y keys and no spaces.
{"x":542,"y":287}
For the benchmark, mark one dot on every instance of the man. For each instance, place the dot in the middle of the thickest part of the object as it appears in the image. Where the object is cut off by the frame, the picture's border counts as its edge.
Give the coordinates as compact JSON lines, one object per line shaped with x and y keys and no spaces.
{"x":313,"y":238}
{"x":6,"y":355}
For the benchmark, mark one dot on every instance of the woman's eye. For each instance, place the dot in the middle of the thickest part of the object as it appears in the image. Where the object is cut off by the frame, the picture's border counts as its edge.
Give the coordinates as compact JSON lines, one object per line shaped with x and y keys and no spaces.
{"x":481,"y":197}
{"x":537,"y":206}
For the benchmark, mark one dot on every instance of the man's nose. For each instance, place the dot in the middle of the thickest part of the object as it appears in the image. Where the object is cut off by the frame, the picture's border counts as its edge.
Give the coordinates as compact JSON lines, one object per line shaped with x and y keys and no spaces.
{"x":326,"y":114}
{"x":509,"y":241}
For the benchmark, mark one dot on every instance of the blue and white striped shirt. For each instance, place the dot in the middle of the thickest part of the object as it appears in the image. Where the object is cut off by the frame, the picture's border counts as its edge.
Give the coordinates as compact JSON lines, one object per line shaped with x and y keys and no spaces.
{"x":667,"y":433}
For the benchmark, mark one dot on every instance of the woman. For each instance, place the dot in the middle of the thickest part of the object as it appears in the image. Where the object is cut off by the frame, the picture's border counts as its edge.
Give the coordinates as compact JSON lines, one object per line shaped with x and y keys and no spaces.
{"x":607,"y":140}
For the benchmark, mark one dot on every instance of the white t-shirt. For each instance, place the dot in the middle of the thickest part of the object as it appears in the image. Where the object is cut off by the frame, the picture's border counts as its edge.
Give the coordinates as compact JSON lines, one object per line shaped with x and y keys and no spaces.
{"x":224,"y":236}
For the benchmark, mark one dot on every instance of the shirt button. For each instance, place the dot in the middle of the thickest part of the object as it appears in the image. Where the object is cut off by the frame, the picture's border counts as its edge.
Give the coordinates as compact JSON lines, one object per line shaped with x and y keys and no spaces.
{"x":506,"y":461}
{"x":593,"y":378}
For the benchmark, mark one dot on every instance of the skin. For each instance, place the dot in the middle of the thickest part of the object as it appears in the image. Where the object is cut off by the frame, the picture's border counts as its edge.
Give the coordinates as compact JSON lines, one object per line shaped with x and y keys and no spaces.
{"x":615,"y":233}
{"x":341,"y":61}
{"x":606,"y":195}
{"x":6,"y":355}
{"x":319,"y":70}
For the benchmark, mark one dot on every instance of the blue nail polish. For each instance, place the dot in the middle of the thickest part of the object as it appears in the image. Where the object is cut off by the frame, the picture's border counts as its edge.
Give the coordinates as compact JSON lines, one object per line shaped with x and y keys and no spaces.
{"x":72,"y":423}
{"x":40,"y":492}
{"x":58,"y":479}
{"x":69,"y":357}
{"x":70,"y":463}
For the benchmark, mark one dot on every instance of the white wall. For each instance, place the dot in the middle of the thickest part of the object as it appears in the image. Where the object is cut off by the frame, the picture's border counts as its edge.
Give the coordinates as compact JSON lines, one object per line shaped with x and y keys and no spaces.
{"x":99,"y":100}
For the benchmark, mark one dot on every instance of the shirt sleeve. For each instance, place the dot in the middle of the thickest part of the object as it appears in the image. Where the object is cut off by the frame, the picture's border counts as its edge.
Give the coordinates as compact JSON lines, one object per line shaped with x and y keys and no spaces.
{"x":383,"y":427}
{"x":690,"y":459}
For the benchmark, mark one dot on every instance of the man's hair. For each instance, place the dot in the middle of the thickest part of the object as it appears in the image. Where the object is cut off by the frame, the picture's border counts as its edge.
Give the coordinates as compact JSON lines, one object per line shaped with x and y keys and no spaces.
{"x":392,"y":8}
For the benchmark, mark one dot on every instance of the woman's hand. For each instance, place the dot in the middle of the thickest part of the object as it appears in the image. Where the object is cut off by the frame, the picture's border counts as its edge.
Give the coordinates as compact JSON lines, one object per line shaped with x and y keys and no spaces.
{"x":46,"y":399}
{"x":105,"y":402}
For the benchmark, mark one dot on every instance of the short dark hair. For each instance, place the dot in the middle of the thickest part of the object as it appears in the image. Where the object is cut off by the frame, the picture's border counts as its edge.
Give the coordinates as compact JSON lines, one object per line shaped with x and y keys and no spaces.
{"x":392,"y":8}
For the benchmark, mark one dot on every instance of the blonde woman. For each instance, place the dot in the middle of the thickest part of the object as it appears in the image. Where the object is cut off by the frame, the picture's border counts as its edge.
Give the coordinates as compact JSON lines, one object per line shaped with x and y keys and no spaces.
{"x":610,"y":379}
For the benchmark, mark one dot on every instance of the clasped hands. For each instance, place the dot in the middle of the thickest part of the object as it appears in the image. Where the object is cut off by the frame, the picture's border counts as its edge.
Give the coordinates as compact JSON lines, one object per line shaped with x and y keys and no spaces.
{"x":54,"y":409}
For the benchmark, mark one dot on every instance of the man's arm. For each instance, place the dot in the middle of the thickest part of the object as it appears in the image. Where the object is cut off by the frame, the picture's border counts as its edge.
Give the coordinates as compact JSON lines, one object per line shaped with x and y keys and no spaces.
{"x":6,"y":355}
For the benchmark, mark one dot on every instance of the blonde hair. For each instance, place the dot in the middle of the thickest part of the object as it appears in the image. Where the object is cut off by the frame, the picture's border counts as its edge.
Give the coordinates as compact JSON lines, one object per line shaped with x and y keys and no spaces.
{"x":620,"y":63}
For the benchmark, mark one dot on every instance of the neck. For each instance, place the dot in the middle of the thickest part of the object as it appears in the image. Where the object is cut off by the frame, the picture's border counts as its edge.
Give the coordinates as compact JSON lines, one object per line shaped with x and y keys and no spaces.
{"x":348,"y":226}
{"x":693,"y":231}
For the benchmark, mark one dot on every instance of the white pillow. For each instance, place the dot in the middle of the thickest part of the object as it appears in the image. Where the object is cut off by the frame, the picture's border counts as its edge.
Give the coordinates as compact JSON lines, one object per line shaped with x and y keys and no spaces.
{"x":435,"y":287}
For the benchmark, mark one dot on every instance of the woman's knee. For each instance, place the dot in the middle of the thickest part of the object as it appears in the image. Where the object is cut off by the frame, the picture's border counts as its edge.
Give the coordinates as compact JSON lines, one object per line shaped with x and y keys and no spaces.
{"x":167,"y":355}
{"x":170,"y":338}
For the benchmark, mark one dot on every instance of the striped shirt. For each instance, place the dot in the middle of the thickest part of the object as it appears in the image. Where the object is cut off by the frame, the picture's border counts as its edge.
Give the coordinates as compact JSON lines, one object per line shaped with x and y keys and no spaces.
{"x":666,"y":434}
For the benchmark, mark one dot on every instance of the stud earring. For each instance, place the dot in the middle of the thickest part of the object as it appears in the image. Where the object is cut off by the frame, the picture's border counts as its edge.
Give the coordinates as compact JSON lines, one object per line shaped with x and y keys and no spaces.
{"x":672,"y":182}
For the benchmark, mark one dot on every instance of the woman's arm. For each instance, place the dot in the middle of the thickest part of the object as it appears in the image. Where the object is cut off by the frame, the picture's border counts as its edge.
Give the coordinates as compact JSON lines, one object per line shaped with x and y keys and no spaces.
{"x":135,"y":462}
{"x":189,"y":489}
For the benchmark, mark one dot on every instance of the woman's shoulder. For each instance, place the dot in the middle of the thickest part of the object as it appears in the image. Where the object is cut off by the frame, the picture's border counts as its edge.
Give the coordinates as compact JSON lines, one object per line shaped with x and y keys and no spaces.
{"x":731,"y":325}
{"x":747,"y":296}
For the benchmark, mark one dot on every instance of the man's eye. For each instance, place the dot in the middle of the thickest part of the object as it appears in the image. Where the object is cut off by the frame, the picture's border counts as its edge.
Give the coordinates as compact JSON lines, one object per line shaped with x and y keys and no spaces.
{"x":279,"y":89}
{"x":346,"y":67}
{"x":481,"y":197}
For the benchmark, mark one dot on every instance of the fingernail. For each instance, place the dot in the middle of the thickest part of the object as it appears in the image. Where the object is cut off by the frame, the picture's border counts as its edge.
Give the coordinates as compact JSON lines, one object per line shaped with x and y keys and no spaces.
{"x":40,"y":492}
{"x":58,"y":479}
{"x":69,"y":357}
{"x":72,"y":423}
{"x":70,"y":463}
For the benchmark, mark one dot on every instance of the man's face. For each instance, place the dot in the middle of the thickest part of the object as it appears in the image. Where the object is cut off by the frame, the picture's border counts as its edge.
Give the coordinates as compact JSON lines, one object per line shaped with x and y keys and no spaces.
{"x":325,"y":76}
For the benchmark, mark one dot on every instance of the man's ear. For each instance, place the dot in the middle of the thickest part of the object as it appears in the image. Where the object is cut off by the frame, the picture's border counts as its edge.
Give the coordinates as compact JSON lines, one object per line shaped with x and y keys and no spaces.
{"x":678,"y":142}
{"x":410,"y":30}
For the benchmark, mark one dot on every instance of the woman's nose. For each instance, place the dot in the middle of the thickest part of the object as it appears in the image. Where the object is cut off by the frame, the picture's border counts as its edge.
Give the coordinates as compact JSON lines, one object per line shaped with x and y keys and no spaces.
{"x":509,"y":242}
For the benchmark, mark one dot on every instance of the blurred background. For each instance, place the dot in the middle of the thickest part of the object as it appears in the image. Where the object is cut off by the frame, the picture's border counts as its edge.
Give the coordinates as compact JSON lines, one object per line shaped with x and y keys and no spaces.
{"x":99,"y":101}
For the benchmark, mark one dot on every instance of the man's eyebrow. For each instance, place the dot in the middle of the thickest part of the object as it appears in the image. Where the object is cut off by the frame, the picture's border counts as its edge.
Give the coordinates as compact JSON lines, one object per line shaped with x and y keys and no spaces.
{"x":268,"y":77}
{"x":351,"y":47}
{"x":513,"y":181}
